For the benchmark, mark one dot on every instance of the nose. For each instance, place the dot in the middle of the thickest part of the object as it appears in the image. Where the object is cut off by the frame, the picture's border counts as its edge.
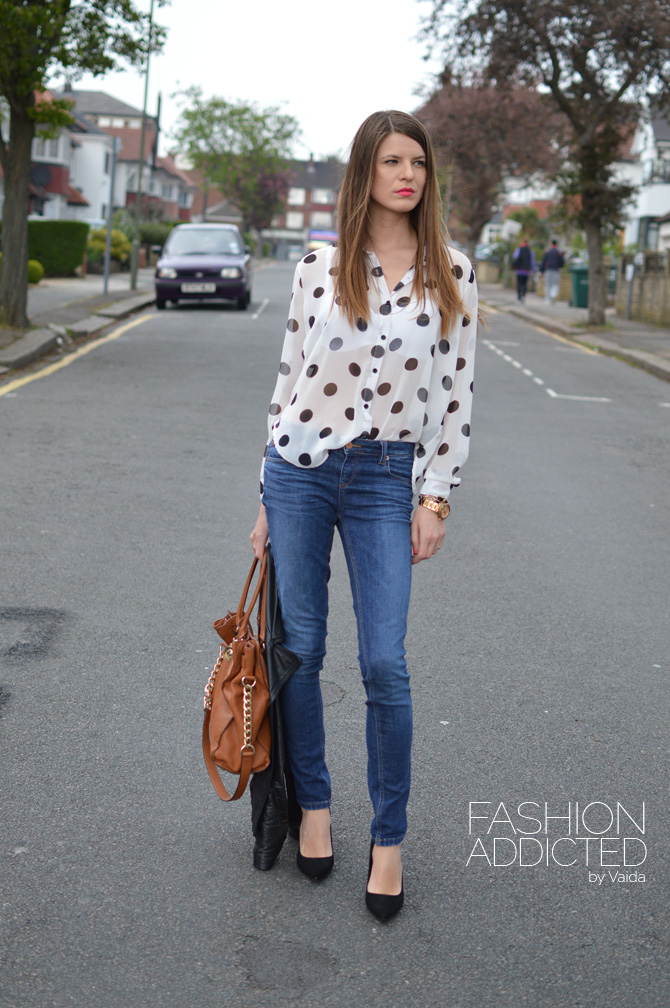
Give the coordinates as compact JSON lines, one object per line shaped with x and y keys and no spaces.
{"x":407,"y":170}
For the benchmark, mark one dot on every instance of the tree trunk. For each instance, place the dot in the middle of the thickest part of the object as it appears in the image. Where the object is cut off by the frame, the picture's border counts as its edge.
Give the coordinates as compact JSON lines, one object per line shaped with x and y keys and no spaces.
{"x":14,"y":274}
{"x":597,"y":278}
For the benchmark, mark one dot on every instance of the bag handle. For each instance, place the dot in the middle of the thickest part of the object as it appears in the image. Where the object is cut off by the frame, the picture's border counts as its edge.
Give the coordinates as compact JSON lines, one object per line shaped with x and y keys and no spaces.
{"x":245,"y":769}
{"x":242,"y":616}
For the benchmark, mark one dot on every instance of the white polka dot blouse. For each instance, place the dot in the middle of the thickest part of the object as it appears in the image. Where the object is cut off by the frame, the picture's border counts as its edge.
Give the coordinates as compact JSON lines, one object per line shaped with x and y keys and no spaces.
{"x":392,"y":378}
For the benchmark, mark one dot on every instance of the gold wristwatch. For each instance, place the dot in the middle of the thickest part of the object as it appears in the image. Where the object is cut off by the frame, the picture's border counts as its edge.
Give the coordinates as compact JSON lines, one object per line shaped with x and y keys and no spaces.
{"x":437,"y":504}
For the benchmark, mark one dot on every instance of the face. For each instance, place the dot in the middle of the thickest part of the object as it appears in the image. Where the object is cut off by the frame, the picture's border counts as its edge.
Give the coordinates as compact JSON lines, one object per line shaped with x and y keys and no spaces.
{"x":400,"y":173}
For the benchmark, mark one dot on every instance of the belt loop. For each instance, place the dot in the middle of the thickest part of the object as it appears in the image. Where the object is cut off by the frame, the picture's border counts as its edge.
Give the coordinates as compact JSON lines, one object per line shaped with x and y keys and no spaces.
{"x":384,"y":452}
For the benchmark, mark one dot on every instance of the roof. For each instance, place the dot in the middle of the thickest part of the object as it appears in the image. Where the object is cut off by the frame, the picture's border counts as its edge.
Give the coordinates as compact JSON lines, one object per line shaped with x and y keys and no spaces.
{"x":167,"y":165}
{"x":317,"y":174}
{"x":75,"y":197}
{"x":660,"y":122}
{"x":98,"y":103}
{"x":83,"y":125}
{"x":130,"y":140}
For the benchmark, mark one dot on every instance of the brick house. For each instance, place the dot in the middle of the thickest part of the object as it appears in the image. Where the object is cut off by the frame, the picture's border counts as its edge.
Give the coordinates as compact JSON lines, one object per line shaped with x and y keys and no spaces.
{"x":310,"y":215}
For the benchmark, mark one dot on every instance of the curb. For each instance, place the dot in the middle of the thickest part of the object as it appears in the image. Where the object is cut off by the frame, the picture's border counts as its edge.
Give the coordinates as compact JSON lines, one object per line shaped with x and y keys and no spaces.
{"x":582,"y":337}
{"x":38,"y":342}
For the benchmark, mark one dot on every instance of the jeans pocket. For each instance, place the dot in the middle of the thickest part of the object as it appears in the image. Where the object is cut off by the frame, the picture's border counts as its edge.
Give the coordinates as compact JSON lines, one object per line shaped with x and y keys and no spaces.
{"x":399,"y":467}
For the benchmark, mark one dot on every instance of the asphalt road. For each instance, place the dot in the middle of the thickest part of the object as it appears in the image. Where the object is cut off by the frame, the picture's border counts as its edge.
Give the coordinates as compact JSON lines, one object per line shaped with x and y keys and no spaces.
{"x":539,"y":654}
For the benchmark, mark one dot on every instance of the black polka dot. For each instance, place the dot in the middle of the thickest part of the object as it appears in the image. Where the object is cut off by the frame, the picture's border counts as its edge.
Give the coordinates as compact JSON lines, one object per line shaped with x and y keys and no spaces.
{"x":333,"y":270}
{"x":284,"y":440}
{"x":312,"y":320}
{"x":453,"y":406}
{"x":377,"y":271}
{"x":385,"y":309}
{"x":284,"y":368}
{"x":460,"y":363}
{"x":395,"y":344}
{"x":382,"y":337}
{"x":397,"y":407}
{"x":366,"y":405}
{"x":355,"y":370}
{"x":423,"y":319}
{"x":330,"y":389}
{"x":431,"y":284}
{"x":361,"y":325}
{"x":377,"y":351}
{"x":300,"y":284}
{"x":292,"y":325}
{"x":447,"y":382}
{"x":455,"y":470}
{"x":305,"y":459}
{"x":336,"y":343}
{"x":465,"y":430}
{"x":367,"y":394}
{"x":443,"y":346}
{"x":310,"y":258}
{"x":411,"y":364}
{"x":404,"y":433}
{"x":457,"y":271}
{"x":398,"y":286}
{"x":422,"y":395}
{"x":275,"y":409}
{"x":318,"y":292}
{"x":443,"y":449}
{"x":403,"y":302}
{"x":432,"y":350}
{"x":472,"y":386}
{"x":338,"y":301}
{"x":384,"y":388}
{"x":294,"y":399}
{"x":306,"y":415}
{"x":374,"y":433}
{"x":466,"y":321}
{"x":420,"y":451}
{"x":261,"y":486}
{"x":325,"y":432}
{"x":425,"y":419}
{"x":472,"y":276}
{"x":312,"y":370}
{"x":349,"y":413}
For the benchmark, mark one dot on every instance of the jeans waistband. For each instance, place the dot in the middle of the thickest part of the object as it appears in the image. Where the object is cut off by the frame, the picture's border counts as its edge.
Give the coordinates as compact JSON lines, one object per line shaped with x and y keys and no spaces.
{"x":375,"y":448}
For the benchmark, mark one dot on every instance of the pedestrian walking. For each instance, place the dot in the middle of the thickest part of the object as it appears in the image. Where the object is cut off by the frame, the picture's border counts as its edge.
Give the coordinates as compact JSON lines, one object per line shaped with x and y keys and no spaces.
{"x":551,"y":265}
{"x":523,"y":262}
{"x":372,"y":405}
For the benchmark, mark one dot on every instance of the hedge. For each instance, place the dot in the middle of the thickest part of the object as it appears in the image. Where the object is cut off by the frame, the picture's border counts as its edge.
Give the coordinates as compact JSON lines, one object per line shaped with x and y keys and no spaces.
{"x":58,"y":244}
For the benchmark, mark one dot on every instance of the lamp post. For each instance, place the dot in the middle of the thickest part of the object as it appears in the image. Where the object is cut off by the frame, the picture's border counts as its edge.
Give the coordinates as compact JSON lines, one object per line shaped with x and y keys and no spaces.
{"x":135,"y":252}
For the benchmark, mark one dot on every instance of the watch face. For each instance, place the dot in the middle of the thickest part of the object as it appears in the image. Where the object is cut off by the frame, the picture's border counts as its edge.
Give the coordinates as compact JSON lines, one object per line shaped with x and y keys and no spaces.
{"x":443,"y":510}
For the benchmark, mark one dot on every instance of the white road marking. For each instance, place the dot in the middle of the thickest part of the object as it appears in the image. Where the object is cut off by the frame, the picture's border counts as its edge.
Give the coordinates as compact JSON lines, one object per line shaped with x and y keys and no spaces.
{"x":577,"y":398}
{"x":666,"y":404}
{"x":263,"y":305}
{"x":539,"y":381}
{"x":508,"y":343}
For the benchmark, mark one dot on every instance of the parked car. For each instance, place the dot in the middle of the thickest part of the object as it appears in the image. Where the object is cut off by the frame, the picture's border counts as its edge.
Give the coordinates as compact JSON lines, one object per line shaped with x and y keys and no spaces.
{"x":204,"y":261}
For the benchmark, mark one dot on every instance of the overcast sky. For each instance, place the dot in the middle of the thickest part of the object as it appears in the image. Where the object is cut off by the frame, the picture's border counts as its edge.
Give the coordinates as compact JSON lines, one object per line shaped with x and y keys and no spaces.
{"x":330,"y":63}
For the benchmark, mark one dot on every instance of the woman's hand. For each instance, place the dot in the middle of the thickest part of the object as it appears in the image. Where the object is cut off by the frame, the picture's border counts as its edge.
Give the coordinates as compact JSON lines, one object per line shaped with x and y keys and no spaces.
{"x":259,"y":534}
{"x":427,"y":533}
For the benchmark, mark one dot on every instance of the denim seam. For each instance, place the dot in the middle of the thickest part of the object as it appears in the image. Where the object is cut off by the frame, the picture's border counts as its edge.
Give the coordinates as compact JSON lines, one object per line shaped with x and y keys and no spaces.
{"x":378,"y":812}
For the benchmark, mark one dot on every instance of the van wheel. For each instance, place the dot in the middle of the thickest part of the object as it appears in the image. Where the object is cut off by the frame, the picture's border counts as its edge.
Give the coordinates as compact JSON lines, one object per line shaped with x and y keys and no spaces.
{"x":160,"y":303}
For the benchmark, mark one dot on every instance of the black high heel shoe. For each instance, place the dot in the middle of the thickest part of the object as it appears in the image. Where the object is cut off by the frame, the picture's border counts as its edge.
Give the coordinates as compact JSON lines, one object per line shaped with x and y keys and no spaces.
{"x":380,"y":904}
{"x":316,"y":868}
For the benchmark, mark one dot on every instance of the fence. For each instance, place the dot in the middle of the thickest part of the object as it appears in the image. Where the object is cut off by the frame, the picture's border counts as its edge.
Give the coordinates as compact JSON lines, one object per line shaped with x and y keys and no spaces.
{"x":649,"y":298}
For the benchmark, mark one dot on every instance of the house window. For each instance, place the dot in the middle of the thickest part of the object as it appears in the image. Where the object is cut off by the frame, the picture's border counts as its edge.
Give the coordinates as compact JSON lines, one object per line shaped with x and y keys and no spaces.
{"x":322,"y":219}
{"x":296,"y":197}
{"x":47,"y":149}
{"x":295,"y":221}
{"x":168,"y":192}
{"x":323,"y":196}
{"x":108,"y":162}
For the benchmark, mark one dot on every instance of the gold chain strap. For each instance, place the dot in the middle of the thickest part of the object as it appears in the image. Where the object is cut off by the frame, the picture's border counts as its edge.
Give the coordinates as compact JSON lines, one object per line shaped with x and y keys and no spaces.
{"x":225,"y":654}
{"x":247,"y":713}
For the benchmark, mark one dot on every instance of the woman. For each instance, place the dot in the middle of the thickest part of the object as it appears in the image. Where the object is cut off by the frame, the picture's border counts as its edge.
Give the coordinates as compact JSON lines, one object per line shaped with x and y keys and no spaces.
{"x":371,"y":404}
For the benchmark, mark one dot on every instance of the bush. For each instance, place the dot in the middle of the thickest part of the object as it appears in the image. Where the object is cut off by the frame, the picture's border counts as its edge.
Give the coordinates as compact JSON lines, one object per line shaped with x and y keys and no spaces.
{"x":58,"y":245}
{"x":120,"y":249}
{"x":35,"y":271}
{"x":156,"y":232}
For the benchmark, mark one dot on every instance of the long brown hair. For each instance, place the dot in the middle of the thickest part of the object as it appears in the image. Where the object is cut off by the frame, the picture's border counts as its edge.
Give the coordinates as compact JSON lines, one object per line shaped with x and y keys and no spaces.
{"x":351,"y":281}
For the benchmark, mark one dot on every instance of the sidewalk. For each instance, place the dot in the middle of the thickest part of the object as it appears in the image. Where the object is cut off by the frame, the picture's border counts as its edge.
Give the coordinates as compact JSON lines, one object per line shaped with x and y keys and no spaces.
{"x":62,"y":308}
{"x":638,"y":343}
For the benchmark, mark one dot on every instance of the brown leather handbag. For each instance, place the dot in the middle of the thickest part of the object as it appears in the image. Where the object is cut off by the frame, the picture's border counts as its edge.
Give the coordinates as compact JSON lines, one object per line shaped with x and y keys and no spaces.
{"x":236,"y":729}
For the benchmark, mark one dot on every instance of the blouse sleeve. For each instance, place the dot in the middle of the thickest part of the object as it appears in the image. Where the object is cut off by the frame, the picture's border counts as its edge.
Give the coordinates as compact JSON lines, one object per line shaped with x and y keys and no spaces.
{"x":454,"y":443}
{"x":291,"y":356}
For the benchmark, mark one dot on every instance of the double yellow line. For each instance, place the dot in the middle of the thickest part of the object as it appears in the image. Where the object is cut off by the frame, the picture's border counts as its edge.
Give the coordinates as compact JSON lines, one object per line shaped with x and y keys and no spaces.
{"x":71,"y":358}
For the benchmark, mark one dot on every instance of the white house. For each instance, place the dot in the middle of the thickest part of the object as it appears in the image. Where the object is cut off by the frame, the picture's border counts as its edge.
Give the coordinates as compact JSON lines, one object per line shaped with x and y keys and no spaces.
{"x":648,"y":166}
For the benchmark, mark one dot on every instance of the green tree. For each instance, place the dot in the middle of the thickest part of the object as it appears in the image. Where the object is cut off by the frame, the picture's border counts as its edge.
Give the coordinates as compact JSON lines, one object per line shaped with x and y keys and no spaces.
{"x":240,"y":148}
{"x":597,"y":60}
{"x":37,"y":42}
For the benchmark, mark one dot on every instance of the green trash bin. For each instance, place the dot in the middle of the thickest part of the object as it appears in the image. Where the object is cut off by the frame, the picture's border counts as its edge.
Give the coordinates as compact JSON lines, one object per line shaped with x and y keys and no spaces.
{"x":580,"y":285}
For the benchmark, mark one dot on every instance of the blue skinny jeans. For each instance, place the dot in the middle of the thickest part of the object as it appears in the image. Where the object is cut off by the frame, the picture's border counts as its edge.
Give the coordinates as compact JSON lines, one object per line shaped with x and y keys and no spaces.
{"x":365,"y":491}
